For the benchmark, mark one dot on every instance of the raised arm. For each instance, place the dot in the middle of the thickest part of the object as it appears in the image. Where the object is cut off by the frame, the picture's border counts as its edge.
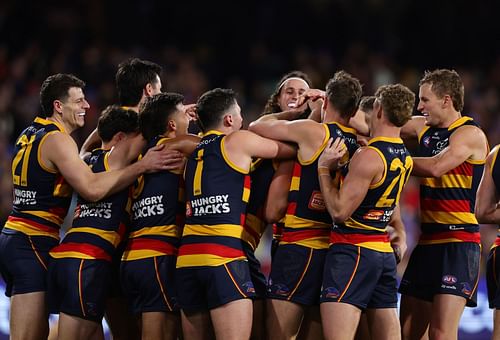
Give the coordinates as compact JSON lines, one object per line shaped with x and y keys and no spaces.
{"x":93,"y":141}
{"x":487,"y":197}
{"x":466,"y":143}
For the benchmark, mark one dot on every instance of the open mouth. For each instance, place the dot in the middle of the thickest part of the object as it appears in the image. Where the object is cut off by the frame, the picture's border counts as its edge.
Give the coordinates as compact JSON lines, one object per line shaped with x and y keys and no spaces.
{"x":292,"y":104}
{"x":81,"y":114}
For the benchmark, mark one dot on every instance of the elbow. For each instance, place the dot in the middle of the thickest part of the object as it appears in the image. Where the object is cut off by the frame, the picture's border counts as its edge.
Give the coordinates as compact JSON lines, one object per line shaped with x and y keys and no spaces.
{"x":339,"y":216}
{"x":481,"y":214}
{"x":275,"y":213}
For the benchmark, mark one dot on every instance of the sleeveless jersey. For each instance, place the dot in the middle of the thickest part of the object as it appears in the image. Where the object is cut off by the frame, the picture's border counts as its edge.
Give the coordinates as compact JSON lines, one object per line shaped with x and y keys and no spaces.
{"x":98,"y":227}
{"x":217,"y":192}
{"x":366,"y":227}
{"x":41,"y":195}
{"x":261,"y":175}
{"x":307,"y":222}
{"x":447,"y":203}
{"x":158,"y":211}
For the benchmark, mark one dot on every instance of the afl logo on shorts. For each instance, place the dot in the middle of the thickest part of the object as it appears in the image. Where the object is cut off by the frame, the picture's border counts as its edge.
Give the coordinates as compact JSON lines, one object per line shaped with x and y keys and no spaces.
{"x":449,"y":279}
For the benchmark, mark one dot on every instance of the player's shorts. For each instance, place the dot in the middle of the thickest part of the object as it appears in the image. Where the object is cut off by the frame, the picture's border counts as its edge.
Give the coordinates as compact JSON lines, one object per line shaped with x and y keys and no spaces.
{"x":296,"y":274}
{"x":24,"y":261}
{"x":116,"y":290}
{"x":258,"y":278}
{"x":493,"y":277}
{"x":360,"y":276}
{"x":208,"y":287}
{"x":79,"y":287}
{"x":149,"y":284}
{"x":448,"y":268}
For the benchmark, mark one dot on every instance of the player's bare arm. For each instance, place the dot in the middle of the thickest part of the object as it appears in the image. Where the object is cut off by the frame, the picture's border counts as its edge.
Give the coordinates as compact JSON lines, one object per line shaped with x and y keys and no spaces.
{"x":59,"y":151}
{"x":365,"y":168}
{"x":466,"y":143}
{"x":487,"y":209}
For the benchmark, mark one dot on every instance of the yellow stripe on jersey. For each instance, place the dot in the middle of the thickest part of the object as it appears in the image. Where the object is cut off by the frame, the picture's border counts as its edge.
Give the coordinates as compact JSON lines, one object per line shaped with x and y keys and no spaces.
{"x":27,"y":229}
{"x":381,"y":181}
{"x":292,"y":221}
{"x":313,"y":242}
{"x":72,"y":254}
{"x":197,"y":260}
{"x":45,"y":215}
{"x":163,"y":230}
{"x":111,"y":236}
{"x":445,"y":217}
{"x":384,"y":247}
{"x":139,"y":254}
{"x":295,"y":183}
{"x":228,"y":161}
{"x":448,"y":181}
{"x":230,"y":230}
{"x":358,"y":225}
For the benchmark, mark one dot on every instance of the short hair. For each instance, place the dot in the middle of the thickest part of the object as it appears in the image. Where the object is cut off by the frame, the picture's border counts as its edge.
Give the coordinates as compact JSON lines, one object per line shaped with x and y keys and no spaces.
{"x":212,"y":106}
{"x":366,"y":103}
{"x":132,"y":77}
{"x":56,"y":87}
{"x":156,"y":111}
{"x":397,"y":102}
{"x":446,"y":82}
{"x":343,"y":92}
{"x":272,"y":105}
{"x":116,"y":119}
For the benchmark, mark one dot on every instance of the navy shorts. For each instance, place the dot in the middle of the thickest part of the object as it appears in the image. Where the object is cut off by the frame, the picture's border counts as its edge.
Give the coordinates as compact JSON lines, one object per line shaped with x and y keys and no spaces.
{"x":360,"y":276}
{"x":447,"y":268}
{"x":79,"y":287}
{"x":493,"y":278}
{"x":258,"y":278}
{"x":149,"y":284}
{"x":296,"y":274}
{"x":209,"y":287}
{"x":24,"y":261}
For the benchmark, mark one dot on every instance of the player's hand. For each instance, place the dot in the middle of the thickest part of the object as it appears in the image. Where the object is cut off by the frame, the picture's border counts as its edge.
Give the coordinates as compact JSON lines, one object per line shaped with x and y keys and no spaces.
{"x":190,"y":110}
{"x":332,"y":155}
{"x":160,"y":158}
{"x":398,"y":244}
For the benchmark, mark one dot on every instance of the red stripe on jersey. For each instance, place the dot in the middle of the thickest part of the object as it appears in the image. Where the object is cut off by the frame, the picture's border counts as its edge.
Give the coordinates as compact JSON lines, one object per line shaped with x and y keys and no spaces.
{"x":446,"y":205}
{"x":357,"y":238}
{"x":210,"y":248}
{"x":32,"y":223}
{"x":294,"y":236}
{"x":465,"y":169}
{"x":292,"y":208}
{"x":461,"y":235}
{"x":84,"y":248}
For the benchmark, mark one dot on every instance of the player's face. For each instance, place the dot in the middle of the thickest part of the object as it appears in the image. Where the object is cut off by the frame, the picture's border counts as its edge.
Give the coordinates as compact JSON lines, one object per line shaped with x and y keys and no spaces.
{"x":74,"y":108}
{"x":237,"y":118}
{"x":290,"y":92}
{"x":181,"y":120}
{"x":430,"y":105}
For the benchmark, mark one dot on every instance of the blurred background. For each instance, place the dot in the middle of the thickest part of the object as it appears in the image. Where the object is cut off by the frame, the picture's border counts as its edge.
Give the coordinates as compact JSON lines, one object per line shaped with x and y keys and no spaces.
{"x":248,"y":46}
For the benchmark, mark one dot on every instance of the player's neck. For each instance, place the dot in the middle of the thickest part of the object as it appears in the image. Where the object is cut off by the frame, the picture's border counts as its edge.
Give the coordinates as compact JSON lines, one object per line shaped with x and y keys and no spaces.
{"x":335,"y":116}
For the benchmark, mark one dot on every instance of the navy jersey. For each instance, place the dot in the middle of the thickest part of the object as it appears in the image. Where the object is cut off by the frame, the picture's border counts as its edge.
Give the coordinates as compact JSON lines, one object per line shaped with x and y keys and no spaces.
{"x":261,"y":177}
{"x":447,"y":203}
{"x":98,"y":227}
{"x":217,"y":192}
{"x":307,"y":221}
{"x":41,"y":196}
{"x":366,"y":227}
{"x":158,"y":210}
